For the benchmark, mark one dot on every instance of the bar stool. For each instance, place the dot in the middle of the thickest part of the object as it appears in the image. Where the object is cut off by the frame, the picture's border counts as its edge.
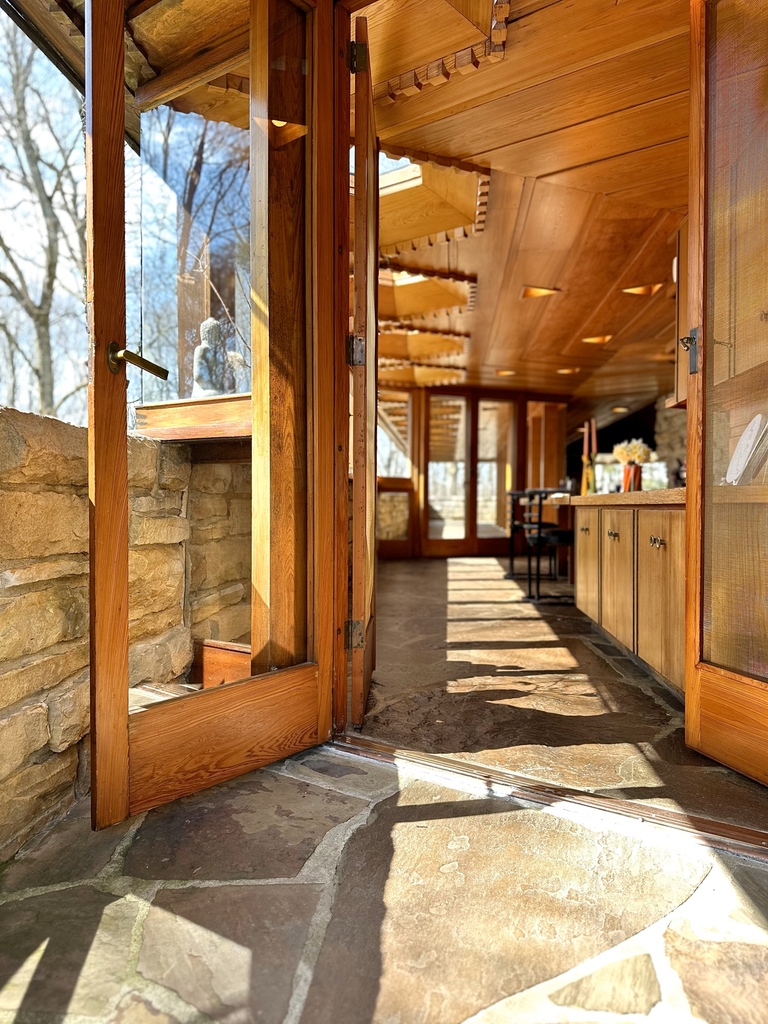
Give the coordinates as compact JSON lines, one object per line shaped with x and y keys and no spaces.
{"x":542,"y":535}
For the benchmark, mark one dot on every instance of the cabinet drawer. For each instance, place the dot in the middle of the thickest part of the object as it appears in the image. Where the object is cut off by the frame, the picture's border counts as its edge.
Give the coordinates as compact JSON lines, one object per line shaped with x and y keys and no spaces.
{"x":661,"y":592}
{"x":617,"y":562}
{"x":587,"y":534}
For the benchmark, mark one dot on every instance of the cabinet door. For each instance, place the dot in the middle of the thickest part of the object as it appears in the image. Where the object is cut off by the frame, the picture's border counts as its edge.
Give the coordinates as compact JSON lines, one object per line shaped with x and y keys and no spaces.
{"x":587,"y":561}
{"x":617,"y":560}
{"x":661,"y":592}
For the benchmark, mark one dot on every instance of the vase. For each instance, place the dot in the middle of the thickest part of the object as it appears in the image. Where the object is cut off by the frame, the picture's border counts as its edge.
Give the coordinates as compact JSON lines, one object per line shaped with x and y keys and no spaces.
{"x":632,"y":479}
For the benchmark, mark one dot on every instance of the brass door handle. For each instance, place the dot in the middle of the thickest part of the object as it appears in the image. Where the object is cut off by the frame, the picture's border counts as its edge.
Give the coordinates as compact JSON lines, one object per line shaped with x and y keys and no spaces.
{"x":117,"y":355}
{"x":657,"y":542}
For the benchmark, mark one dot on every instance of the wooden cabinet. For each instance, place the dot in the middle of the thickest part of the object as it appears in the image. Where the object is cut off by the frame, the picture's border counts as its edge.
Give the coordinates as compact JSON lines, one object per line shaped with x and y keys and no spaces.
{"x":587,"y":526}
{"x":660,"y":601}
{"x":617,"y":563}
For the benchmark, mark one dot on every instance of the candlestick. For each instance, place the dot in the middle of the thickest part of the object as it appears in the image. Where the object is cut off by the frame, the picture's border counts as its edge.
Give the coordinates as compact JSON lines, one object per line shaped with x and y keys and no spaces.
{"x":594,"y":436}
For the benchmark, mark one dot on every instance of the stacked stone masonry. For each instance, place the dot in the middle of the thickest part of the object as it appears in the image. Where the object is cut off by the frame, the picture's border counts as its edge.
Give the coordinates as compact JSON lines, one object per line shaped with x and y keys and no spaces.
{"x":189,"y":558}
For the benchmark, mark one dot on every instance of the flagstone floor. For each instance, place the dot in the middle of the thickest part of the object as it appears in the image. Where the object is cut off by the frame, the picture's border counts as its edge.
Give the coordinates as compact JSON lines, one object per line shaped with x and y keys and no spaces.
{"x":467,"y":668}
{"x":330,"y":889}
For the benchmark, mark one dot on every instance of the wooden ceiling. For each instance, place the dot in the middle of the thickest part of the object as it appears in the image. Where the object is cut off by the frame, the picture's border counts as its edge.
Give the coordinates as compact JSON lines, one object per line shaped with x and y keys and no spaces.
{"x":584,"y":125}
{"x":579,"y":110}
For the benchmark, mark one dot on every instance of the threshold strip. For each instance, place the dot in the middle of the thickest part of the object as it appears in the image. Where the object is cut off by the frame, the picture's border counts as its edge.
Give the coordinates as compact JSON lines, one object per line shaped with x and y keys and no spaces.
{"x":718,"y":834}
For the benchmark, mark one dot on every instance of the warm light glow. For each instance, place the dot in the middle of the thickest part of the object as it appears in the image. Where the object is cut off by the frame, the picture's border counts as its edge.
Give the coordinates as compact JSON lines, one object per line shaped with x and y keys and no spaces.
{"x":569,"y":369}
{"x":599,"y":339}
{"x":619,"y":408}
{"x":279,"y":124}
{"x":506,"y":373}
{"x":405,"y":277}
{"x":530,"y":292}
{"x":643,"y":289}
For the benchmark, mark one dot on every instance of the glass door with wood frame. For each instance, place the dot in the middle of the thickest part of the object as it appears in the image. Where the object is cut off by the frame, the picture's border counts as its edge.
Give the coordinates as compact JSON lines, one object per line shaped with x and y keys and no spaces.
{"x":207,"y":659}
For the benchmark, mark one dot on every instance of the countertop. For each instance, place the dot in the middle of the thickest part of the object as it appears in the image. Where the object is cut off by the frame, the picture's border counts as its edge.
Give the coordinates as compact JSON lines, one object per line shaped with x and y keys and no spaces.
{"x":670,"y":496}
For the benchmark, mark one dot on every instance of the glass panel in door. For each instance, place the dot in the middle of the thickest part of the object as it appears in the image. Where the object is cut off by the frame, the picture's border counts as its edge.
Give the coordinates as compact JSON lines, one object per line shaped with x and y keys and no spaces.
{"x":494,"y":465}
{"x":447,"y":468}
{"x":735,"y":584}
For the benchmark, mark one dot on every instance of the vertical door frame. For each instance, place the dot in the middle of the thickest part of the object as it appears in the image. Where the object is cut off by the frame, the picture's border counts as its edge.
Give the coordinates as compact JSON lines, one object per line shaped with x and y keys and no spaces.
{"x":107,"y":413}
{"x":697,"y":257}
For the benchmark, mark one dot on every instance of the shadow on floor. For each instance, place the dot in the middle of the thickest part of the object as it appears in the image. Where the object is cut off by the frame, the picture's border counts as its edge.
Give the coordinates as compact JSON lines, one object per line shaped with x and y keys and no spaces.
{"x":467,"y":668}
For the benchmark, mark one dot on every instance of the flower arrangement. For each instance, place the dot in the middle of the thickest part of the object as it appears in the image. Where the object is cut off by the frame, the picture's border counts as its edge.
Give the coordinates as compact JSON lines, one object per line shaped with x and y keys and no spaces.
{"x":632,"y":453}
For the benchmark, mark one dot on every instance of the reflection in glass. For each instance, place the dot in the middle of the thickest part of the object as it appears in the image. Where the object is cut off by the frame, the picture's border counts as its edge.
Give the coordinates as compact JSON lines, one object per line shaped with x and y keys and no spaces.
{"x":446,"y":478}
{"x":393,"y":441}
{"x":494,"y":466}
{"x":195,"y":224}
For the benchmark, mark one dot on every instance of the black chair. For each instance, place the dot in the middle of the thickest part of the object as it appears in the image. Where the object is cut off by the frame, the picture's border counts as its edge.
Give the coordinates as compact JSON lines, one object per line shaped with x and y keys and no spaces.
{"x":517,"y":526}
{"x":540,"y":536}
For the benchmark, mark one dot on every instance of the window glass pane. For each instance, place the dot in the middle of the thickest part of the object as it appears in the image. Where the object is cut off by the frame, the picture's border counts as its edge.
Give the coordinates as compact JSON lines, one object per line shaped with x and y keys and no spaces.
{"x":446,"y":477}
{"x":494,"y":466}
{"x":393,"y":440}
{"x":735,"y":583}
{"x":392,"y":515}
{"x":195,"y":224}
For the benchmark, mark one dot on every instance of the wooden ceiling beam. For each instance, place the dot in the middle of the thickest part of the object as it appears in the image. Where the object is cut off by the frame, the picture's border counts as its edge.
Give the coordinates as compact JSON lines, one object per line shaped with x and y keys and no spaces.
{"x":387,"y":263}
{"x":194,"y":71}
{"x":139,"y":7}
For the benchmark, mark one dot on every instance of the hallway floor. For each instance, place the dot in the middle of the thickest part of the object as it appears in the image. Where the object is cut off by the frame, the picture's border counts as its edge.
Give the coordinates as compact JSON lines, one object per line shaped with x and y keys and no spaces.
{"x":332,"y":889}
{"x":467,"y":668}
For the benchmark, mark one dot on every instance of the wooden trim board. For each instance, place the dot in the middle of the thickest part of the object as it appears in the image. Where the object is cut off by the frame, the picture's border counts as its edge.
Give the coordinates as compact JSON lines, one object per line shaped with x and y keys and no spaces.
{"x":216,"y":663}
{"x":202,"y":419}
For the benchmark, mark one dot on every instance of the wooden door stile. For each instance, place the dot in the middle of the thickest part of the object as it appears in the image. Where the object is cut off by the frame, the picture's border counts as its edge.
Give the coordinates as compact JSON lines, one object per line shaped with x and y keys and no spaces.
{"x":107,"y":426}
{"x":694,"y":509}
{"x":341,"y":108}
{"x":364,"y":377}
{"x":322,"y":259}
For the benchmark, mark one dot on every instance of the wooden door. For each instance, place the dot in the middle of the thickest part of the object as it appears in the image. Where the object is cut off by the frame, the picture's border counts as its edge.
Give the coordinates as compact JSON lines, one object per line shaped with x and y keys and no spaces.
{"x":660,"y":608}
{"x":366,"y":270}
{"x":174,"y":747}
{"x":587,"y":528}
{"x":617,"y":549}
{"x":727,"y":494}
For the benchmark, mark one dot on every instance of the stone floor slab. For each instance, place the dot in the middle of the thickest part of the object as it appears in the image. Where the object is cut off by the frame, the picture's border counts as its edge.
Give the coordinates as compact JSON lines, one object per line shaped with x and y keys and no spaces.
{"x":230,"y":952}
{"x":64,"y":952}
{"x":71,"y":852}
{"x":355,"y":776}
{"x":448,"y":904}
{"x":261,"y":825}
{"x":627,"y":986}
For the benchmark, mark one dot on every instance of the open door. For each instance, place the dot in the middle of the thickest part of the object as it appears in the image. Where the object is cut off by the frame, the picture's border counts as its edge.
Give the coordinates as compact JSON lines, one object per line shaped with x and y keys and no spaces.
{"x":363,"y":358}
{"x":727,"y":503}
{"x":238,"y":253}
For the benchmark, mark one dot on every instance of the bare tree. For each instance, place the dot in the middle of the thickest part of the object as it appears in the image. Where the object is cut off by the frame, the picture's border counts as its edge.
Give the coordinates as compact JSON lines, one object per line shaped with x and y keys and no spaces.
{"x":42,"y":226}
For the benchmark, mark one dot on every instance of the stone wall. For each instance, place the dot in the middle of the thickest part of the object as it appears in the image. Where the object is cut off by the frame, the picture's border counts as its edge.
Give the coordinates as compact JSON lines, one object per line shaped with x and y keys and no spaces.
{"x":671,"y":433}
{"x":44,"y":684}
{"x":219,"y":551}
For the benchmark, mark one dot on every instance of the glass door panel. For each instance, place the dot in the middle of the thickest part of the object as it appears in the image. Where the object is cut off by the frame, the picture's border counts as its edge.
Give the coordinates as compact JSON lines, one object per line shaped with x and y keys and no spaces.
{"x":735,"y":551}
{"x":494,"y":465}
{"x":447,"y":468}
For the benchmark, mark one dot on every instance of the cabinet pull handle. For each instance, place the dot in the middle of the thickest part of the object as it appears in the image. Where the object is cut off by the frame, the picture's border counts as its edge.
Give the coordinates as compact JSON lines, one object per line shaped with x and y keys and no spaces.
{"x":584,"y":529}
{"x":653,"y":541}
{"x":657,"y":542}
{"x":613,"y":535}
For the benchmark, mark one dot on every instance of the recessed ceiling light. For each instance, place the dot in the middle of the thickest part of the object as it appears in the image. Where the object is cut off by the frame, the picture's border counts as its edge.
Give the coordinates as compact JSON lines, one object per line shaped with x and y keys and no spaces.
{"x":599,"y":339}
{"x":619,"y":408}
{"x":529,"y":292}
{"x":279,"y":124}
{"x":643,"y":289}
{"x":569,"y":369}
{"x":506,"y":373}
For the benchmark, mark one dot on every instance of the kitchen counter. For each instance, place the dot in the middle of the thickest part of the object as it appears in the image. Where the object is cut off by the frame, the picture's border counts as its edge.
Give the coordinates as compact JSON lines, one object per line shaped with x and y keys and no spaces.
{"x":632,"y":499}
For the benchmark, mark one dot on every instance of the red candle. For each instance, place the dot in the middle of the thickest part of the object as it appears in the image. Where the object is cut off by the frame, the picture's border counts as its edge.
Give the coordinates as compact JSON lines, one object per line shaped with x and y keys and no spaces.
{"x":594,"y":436}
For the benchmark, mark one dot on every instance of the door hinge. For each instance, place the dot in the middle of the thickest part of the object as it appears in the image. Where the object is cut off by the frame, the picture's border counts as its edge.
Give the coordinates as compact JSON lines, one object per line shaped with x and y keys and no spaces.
{"x":691,"y":345}
{"x":357,"y":57}
{"x":355,"y":350}
{"x":354,"y":634}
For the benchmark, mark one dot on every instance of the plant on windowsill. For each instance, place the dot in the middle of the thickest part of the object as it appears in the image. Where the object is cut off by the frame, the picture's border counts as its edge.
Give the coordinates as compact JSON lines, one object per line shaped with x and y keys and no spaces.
{"x":632,"y":455}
